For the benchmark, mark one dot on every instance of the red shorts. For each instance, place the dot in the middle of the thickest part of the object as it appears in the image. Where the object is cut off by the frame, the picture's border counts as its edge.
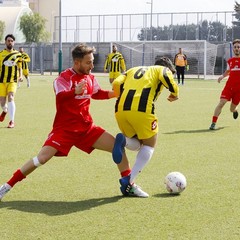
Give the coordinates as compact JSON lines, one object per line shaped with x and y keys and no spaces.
{"x":231,"y":94}
{"x":64,"y":140}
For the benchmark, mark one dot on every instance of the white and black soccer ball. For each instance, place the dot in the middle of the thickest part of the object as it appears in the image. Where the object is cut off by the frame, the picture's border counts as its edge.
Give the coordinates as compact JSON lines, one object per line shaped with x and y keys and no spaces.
{"x":175,"y":182}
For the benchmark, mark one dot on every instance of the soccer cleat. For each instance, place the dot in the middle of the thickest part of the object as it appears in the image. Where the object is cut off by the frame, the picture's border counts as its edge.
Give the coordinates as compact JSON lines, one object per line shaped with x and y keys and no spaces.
{"x":125,"y":185}
{"x":136,"y":191}
{"x":131,"y":190}
{"x":2,"y":116}
{"x":235,"y":114}
{"x":118,"y":149}
{"x":213,"y":126}
{"x":11,"y":124}
{"x":4,"y":189}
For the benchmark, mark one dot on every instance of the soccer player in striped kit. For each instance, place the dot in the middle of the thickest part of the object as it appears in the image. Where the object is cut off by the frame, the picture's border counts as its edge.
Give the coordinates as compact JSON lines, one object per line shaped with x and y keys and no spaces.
{"x":115,"y":63}
{"x":25,"y":60}
{"x":10,"y":74}
{"x":137,"y":91}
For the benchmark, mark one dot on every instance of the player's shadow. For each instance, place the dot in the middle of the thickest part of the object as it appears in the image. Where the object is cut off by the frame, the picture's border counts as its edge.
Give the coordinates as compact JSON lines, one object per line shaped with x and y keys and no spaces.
{"x":55,"y":208}
{"x":195,"y":131}
{"x":166,"y":195}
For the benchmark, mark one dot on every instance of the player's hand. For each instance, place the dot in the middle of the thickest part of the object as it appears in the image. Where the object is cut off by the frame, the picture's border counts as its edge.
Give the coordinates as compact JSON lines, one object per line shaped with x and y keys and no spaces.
{"x":220,"y":78}
{"x":172,"y":98}
{"x":80,"y":87}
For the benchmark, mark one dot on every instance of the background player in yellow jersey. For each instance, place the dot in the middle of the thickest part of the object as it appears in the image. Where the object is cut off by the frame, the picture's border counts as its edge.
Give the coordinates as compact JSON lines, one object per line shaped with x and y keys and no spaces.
{"x":181,"y":63}
{"x":115,"y":63}
{"x":25,"y":60}
{"x":10,"y":74}
{"x":137,"y":92}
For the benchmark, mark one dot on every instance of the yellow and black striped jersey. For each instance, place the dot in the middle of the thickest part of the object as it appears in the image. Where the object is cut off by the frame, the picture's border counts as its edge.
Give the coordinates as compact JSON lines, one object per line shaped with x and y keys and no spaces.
{"x":10,"y":62}
{"x":140,"y":87}
{"x":25,"y":60}
{"x":115,"y":62}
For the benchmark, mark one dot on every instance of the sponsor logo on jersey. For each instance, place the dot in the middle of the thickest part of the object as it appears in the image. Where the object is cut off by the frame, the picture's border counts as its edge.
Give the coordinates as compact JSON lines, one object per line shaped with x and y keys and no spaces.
{"x":154,"y":124}
{"x":10,"y":63}
{"x":115,"y":59}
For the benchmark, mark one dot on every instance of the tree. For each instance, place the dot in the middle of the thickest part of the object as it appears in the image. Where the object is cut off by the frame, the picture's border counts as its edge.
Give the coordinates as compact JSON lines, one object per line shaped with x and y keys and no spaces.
{"x":33,"y":28}
{"x":210,"y":31}
{"x":237,"y":14}
{"x":2,"y":29}
{"x":236,"y":24}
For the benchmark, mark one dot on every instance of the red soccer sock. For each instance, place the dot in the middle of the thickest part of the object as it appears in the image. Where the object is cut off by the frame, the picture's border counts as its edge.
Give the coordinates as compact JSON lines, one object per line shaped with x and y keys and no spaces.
{"x":17,"y":177}
{"x":214,"y":119}
{"x":126,"y":173}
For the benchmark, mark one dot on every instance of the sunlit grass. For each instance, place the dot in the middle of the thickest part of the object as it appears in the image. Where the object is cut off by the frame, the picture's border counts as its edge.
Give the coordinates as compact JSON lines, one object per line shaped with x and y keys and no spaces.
{"x":78,"y":197}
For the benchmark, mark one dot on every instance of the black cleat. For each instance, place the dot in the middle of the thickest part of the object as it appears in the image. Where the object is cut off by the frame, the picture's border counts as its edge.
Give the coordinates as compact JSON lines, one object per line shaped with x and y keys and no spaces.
{"x":235,"y":114}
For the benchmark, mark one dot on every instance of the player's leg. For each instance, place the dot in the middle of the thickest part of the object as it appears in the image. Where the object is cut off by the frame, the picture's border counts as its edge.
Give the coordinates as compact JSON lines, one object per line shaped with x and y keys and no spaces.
{"x":233,"y":109}
{"x":121,"y":141}
{"x":128,"y":187}
{"x":11,"y":90}
{"x":127,"y":138}
{"x":3,"y":101}
{"x":145,"y":126}
{"x":182,"y":73}
{"x":28,"y":81}
{"x":106,"y":142}
{"x":45,"y":154}
{"x":27,"y":77}
{"x":178,"y":74}
{"x":217,"y":112}
{"x":11,"y":109}
{"x":234,"y":104}
{"x":144,"y":156}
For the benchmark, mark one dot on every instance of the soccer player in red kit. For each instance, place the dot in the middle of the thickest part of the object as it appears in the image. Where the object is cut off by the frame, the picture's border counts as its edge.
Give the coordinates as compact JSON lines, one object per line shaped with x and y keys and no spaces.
{"x":231,"y":91}
{"x":73,"y":124}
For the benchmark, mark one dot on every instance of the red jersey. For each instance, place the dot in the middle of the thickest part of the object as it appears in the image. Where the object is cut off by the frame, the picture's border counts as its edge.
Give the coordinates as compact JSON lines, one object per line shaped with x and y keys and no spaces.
{"x":72,"y":111}
{"x":234,"y":68}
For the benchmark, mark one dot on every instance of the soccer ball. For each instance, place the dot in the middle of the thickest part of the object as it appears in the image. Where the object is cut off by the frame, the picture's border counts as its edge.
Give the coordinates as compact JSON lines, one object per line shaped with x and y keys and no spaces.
{"x":175,"y":182}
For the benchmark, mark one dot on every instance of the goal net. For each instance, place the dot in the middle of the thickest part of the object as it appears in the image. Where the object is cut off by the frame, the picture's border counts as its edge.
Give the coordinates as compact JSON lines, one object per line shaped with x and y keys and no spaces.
{"x":201,"y":55}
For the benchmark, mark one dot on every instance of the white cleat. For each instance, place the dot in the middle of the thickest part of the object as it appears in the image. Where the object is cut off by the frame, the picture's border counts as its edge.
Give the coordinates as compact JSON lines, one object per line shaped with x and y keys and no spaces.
{"x":136,"y":191}
{"x":4,"y":189}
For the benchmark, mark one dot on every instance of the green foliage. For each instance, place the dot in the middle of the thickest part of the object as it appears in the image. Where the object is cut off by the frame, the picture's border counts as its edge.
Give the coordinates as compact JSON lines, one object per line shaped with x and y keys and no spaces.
{"x":237,"y":13}
{"x":210,"y":31}
{"x":236,"y":24}
{"x":78,"y":197}
{"x":2,"y":29}
{"x":33,"y":28}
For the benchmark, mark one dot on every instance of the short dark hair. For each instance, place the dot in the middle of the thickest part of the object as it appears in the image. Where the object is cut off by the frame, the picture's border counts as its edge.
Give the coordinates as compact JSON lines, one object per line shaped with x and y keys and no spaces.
{"x":11,"y":36}
{"x":166,"y":62}
{"x":236,"y":41}
{"x":81,"y":50}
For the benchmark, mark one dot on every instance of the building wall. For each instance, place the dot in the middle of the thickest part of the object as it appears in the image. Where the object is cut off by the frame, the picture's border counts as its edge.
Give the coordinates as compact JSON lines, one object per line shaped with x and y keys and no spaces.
{"x":47,"y":9}
{"x":11,"y":12}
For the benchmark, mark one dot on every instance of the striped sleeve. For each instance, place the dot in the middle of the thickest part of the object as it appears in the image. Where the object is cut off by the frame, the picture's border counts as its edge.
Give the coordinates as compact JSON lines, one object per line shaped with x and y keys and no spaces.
{"x":166,"y":77}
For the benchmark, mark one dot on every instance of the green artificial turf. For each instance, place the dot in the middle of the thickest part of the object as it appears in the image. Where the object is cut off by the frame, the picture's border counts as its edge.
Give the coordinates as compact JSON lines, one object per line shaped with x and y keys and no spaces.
{"x":78,"y":197}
